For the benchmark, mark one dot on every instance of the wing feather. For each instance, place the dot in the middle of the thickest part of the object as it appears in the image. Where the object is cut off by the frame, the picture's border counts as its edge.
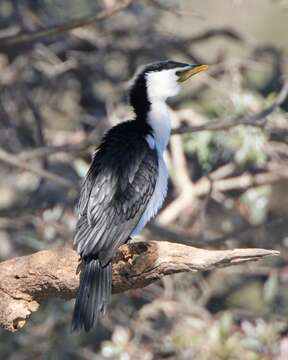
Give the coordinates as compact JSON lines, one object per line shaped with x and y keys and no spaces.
{"x":115,"y":194}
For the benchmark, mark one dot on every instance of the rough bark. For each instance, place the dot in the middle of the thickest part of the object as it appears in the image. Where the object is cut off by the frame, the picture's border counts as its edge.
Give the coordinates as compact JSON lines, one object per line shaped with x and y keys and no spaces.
{"x":25,"y":281}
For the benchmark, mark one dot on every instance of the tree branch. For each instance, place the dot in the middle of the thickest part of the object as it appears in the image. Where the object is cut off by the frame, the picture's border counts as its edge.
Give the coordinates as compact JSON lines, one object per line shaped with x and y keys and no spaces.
{"x":242,"y":182}
{"x":13,"y":160}
{"x":26,"y":281}
{"x":24,"y":38}
{"x":252,"y":120}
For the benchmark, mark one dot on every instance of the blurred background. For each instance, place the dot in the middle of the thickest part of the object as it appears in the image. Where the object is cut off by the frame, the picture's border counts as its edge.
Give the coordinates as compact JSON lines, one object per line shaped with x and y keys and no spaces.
{"x":228,"y":185}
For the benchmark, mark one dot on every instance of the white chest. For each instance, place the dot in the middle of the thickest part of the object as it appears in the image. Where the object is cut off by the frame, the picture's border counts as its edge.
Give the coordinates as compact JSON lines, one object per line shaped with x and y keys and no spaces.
{"x":160,"y":122}
{"x":157,"y":198}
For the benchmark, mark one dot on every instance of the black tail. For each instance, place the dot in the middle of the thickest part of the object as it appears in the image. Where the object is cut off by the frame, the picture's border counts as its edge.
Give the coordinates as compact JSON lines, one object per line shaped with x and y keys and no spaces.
{"x":93,"y":294}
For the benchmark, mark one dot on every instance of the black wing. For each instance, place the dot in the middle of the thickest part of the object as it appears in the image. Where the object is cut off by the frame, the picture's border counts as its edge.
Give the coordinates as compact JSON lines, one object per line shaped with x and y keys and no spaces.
{"x":117,"y":188}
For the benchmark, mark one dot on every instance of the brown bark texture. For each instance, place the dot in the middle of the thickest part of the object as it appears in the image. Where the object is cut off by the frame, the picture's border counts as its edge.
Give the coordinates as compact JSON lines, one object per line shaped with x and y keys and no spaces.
{"x":26,"y":281}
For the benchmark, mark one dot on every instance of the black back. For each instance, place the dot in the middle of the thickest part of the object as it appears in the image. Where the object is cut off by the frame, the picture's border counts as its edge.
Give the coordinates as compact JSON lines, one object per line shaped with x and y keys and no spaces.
{"x":116,"y":191}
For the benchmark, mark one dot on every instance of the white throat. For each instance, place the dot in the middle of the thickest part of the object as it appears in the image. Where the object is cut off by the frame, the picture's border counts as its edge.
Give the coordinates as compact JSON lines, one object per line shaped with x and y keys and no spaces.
{"x":159,"y":119}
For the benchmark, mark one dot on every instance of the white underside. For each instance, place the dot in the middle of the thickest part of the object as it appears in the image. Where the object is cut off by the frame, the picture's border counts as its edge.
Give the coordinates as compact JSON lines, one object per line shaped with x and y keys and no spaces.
{"x":160,"y":122}
{"x":157,"y":198}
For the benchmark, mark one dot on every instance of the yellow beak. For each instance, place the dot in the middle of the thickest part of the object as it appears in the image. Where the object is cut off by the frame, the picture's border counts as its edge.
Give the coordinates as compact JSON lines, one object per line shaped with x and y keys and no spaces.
{"x":195,"y":69}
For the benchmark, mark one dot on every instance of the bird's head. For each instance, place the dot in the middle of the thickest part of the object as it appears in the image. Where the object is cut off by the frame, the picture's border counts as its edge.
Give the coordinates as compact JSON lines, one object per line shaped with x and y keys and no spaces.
{"x":159,"y":81}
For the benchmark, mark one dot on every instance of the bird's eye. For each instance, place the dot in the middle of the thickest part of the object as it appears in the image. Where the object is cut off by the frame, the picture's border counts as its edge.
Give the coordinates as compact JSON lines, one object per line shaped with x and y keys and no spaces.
{"x":178,"y":73}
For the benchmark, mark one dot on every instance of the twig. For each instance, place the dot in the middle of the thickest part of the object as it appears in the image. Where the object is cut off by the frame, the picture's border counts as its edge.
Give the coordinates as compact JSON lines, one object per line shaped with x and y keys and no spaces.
{"x":39,"y":122}
{"x":175,"y":10}
{"x":252,"y":120}
{"x":162,"y":233}
{"x":245,"y":230}
{"x":203,"y":187}
{"x":16,"y":162}
{"x":26,"y":281}
{"x":25,"y":38}
{"x":37,"y":118}
{"x":53,"y":149}
{"x":183,"y":202}
{"x":211,"y":33}
{"x":242,"y":182}
{"x":182,"y":177}
{"x":73,"y":147}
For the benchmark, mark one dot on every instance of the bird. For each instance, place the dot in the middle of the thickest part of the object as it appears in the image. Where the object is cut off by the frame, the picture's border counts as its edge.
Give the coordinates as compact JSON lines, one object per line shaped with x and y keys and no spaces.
{"x":125,"y":185}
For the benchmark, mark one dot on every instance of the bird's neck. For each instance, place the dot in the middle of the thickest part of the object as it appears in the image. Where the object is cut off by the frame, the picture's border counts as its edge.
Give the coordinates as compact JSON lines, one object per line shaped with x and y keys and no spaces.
{"x":159,"y":120}
{"x":151,"y":111}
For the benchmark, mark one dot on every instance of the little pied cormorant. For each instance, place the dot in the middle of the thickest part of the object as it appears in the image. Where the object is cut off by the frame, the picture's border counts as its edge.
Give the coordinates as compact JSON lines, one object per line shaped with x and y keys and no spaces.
{"x":125,"y":185}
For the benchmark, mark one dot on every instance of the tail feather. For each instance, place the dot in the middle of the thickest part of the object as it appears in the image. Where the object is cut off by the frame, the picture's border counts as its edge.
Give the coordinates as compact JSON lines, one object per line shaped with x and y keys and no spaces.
{"x":93,"y":295}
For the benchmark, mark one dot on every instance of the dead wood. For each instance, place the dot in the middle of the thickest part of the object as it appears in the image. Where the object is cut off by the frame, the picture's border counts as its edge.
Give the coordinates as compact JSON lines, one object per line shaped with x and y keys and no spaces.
{"x":26,"y":281}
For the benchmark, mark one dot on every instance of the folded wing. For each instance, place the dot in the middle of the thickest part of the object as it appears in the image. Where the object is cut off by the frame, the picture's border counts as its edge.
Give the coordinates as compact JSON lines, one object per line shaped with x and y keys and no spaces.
{"x":115,"y":194}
